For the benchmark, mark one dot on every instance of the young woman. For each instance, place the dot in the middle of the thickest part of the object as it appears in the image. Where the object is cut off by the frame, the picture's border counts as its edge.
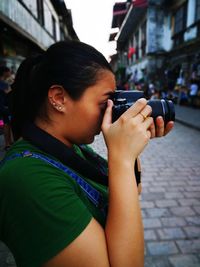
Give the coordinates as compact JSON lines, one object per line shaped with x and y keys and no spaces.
{"x":55,"y":210}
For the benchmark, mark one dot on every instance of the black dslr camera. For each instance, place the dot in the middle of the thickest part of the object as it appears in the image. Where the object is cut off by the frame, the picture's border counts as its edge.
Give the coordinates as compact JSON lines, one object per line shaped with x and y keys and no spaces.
{"x":124,"y":99}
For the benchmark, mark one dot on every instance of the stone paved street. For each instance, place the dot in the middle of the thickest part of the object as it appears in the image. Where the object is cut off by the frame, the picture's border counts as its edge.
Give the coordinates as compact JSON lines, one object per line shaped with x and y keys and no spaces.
{"x":170,"y":200}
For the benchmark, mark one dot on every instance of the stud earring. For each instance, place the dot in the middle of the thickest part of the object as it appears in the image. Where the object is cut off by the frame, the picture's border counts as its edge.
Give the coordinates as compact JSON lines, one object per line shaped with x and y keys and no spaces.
{"x":59,"y":107}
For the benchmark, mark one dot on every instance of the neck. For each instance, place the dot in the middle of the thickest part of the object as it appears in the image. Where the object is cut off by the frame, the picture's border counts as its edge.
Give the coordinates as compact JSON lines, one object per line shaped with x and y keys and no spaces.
{"x":52,"y":130}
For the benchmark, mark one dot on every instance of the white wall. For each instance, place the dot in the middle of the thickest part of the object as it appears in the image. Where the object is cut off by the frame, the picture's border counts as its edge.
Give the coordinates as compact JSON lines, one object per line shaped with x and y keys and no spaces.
{"x":158,"y":30}
{"x":13,"y":10}
{"x":167,"y":42}
{"x":139,"y":66}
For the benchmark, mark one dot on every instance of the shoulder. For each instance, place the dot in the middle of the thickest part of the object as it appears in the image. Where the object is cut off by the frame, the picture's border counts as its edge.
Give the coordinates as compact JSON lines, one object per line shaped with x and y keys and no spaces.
{"x":28,"y":174}
{"x":44,"y":202}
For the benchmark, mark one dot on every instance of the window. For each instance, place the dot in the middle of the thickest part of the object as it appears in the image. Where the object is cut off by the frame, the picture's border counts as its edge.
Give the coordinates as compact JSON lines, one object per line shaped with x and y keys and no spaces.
{"x":180,"y":19}
{"x":31,"y":5}
{"x":143,"y":44}
{"x":62,"y":35}
{"x":40,"y":11}
{"x":137,"y":45}
{"x":197,"y":10}
{"x":53,"y":27}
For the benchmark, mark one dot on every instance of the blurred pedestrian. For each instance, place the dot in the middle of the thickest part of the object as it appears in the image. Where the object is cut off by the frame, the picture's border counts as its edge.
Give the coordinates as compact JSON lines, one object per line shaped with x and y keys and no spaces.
{"x":55,"y":210}
{"x":156,"y":95}
{"x":151,"y":89}
{"x":5,"y":90}
{"x":193,"y":92}
{"x":183,"y":95}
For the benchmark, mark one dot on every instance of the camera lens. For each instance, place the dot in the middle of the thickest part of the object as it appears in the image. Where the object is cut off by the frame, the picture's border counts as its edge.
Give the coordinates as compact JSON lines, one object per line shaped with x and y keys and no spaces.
{"x":164,"y":108}
{"x":160,"y":107}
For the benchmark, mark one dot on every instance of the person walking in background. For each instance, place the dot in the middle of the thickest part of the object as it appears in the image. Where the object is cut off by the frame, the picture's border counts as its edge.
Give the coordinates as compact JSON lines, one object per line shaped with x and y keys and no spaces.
{"x":193,"y":92}
{"x":156,"y":95}
{"x":5,"y":91}
{"x":53,"y":212}
{"x":183,"y":95}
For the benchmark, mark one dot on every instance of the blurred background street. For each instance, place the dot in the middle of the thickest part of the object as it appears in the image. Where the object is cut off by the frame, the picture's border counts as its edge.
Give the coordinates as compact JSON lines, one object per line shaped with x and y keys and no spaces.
{"x":156,"y":51}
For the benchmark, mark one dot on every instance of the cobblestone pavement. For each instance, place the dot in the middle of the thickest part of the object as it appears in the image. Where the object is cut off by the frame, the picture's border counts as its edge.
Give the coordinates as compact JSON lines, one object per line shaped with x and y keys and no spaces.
{"x":170,"y":200}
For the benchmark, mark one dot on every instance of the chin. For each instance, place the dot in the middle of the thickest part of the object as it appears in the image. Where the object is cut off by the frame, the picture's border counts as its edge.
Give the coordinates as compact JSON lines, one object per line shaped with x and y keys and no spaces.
{"x":91,"y":140}
{"x":87,"y":141}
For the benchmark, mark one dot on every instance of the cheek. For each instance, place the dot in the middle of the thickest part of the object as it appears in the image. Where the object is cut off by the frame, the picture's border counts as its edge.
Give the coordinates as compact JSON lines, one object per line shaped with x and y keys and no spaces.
{"x":94,"y":121}
{"x":90,"y":115}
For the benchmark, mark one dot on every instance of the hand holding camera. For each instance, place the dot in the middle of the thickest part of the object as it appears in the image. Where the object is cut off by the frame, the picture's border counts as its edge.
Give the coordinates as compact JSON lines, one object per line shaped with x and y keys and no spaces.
{"x":130,"y":133}
{"x":131,"y":126}
{"x":123,"y":100}
{"x":163,"y":111}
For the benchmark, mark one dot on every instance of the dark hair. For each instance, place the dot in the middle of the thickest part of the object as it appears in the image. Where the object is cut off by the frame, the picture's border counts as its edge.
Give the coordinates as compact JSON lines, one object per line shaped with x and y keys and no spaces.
{"x":71,"y":64}
{"x":3,"y":69}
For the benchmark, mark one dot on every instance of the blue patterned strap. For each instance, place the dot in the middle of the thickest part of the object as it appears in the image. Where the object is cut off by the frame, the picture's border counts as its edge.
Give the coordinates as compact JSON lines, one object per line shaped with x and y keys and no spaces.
{"x":94,"y":195}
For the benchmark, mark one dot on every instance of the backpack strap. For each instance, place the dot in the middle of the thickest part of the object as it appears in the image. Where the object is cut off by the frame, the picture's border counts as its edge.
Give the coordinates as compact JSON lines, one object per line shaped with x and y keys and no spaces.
{"x":54,"y":147}
{"x":93,"y":195}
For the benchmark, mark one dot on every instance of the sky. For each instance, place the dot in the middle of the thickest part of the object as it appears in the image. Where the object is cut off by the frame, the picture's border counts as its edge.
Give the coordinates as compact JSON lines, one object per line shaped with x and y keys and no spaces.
{"x":92,"y":21}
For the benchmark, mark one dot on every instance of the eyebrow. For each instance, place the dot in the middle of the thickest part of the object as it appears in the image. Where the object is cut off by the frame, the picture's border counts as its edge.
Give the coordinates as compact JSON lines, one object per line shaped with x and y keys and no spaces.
{"x":110,"y":93}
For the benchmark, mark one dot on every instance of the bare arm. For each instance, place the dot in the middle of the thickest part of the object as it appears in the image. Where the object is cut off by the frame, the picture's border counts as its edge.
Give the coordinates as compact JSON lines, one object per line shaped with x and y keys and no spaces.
{"x":124,"y":228}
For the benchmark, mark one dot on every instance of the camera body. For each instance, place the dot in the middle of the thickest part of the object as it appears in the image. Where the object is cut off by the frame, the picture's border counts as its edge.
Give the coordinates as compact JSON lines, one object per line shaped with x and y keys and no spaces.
{"x":124,"y":99}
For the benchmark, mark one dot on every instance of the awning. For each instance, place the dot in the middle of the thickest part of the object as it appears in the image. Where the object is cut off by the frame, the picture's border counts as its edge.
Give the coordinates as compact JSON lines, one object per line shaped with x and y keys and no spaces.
{"x":119,"y":13}
{"x":140,"y":3}
{"x":130,"y":23}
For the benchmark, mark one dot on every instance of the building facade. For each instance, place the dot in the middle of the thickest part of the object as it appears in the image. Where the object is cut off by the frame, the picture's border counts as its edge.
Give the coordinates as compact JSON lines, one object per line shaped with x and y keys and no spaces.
{"x":30,"y":26}
{"x":159,"y":40}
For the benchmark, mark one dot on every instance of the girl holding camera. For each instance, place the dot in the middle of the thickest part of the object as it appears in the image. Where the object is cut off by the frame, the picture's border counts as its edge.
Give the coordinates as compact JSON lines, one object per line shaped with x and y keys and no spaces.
{"x":48,"y":212}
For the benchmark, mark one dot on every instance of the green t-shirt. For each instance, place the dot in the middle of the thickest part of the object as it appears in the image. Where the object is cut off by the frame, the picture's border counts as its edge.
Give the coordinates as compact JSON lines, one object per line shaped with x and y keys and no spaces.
{"x":42,"y":209}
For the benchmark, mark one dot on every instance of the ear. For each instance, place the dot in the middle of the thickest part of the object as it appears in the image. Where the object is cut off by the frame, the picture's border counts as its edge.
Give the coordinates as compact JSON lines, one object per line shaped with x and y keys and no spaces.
{"x":57,"y":97}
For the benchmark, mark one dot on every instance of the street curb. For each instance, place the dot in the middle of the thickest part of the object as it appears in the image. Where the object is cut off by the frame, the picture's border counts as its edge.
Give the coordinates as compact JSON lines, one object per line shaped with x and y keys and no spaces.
{"x":188,"y":124}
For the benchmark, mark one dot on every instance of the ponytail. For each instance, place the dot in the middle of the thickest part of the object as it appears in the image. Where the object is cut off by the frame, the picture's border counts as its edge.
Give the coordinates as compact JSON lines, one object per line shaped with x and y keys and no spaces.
{"x":22,"y":107}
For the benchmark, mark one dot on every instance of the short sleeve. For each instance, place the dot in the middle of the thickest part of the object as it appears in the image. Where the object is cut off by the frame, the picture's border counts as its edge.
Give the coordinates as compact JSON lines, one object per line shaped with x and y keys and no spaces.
{"x":48,"y":210}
